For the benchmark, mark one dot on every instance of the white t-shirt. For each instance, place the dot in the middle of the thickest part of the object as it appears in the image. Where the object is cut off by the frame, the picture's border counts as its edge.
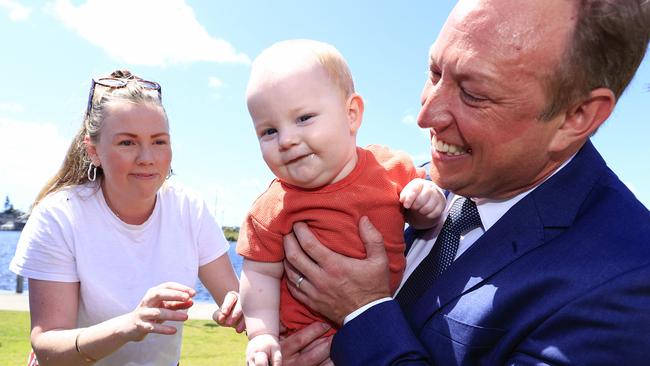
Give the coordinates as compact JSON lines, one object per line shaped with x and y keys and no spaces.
{"x":73,"y":236}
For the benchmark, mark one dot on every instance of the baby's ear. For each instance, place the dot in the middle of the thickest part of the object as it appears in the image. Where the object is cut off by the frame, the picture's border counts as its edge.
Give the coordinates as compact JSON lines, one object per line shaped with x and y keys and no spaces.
{"x":355,"y":111}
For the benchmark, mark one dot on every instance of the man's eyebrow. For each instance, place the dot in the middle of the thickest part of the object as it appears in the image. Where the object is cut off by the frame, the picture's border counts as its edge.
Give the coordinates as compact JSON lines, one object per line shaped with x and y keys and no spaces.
{"x":160,"y":134}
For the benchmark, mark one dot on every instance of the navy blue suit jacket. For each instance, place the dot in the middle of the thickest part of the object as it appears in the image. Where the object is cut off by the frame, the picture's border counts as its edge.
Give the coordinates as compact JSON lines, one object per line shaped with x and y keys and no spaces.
{"x":562,"y":278}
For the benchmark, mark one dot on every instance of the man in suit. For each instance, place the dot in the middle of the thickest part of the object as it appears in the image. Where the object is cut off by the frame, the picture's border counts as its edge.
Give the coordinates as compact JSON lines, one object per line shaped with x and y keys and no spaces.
{"x":557,"y":268}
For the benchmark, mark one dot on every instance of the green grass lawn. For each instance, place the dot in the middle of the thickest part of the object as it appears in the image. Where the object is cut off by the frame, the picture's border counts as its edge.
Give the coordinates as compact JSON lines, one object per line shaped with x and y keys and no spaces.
{"x":204,"y":343}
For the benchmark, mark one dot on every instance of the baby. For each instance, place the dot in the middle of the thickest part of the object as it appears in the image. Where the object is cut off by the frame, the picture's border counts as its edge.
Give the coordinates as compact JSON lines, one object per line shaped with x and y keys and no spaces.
{"x":306,"y":115}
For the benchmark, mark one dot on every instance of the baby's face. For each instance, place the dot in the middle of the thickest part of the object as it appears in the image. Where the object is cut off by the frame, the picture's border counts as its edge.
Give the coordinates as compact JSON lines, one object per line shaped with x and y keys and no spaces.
{"x":302,"y":121}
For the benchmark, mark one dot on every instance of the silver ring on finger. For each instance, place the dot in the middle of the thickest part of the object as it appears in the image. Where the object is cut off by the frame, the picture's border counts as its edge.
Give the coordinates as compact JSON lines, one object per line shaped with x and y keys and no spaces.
{"x":299,"y":281}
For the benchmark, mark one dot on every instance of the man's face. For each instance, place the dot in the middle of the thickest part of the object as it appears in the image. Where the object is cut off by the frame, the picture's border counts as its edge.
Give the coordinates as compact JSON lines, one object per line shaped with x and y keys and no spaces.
{"x":485,"y":93}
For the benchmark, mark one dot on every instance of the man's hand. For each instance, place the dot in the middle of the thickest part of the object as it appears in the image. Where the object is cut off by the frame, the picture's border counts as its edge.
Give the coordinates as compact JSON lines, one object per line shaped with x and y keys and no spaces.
{"x":306,"y":347}
{"x":335,"y":285}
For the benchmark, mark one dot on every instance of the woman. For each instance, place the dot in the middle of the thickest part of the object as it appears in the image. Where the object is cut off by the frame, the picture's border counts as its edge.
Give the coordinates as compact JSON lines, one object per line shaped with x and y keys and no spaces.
{"x":111,"y":250}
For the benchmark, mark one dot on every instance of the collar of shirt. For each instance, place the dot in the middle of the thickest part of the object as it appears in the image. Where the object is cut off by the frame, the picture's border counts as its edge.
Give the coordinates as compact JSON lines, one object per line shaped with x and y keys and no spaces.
{"x":489,"y":210}
{"x":492,"y":210}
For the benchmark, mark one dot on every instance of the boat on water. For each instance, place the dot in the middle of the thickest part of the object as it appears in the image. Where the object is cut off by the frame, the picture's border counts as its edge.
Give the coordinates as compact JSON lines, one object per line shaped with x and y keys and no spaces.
{"x":13,"y":226}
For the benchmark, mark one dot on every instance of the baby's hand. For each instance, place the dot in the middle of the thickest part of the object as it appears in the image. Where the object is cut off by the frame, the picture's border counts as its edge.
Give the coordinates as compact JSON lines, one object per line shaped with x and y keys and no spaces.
{"x":423,"y":198}
{"x":230,"y":313}
{"x":263,"y":350}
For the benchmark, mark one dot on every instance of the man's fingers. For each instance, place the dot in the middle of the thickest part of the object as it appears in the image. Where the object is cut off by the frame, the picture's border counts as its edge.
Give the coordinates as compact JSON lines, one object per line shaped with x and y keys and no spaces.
{"x":302,"y":294}
{"x":296,"y":251}
{"x":297,"y":341}
{"x":291,"y":272}
{"x":316,"y":353}
{"x":310,"y":244}
{"x":372,"y":238}
{"x":319,"y":343}
{"x":327,"y":362}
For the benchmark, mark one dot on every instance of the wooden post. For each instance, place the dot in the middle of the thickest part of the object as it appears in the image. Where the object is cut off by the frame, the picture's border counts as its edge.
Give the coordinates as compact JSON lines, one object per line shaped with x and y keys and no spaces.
{"x":19,"y":284}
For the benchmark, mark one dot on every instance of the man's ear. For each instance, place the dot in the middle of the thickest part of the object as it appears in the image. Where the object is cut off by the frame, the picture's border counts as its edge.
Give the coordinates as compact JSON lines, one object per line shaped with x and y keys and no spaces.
{"x":583,"y":119}
{"x":354,"y":107}
{"x":91,"y":151}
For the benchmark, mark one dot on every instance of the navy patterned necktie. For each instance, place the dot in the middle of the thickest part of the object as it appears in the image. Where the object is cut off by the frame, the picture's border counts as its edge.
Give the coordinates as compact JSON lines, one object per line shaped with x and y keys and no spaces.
{"x":463,"y":217}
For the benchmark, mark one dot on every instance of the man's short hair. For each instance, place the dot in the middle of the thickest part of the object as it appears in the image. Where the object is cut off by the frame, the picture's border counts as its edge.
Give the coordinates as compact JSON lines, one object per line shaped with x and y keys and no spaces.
{"x":605,"y":49}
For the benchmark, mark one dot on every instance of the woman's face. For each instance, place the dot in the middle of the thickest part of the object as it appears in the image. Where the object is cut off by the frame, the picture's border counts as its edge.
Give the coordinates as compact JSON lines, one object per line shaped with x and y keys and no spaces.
{"x":134,"y":151}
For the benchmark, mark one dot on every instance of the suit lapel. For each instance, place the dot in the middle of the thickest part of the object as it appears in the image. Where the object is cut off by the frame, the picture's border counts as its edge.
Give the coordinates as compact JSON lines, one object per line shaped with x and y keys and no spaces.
{"x":533,"y":221}
{"x":517,"y":232}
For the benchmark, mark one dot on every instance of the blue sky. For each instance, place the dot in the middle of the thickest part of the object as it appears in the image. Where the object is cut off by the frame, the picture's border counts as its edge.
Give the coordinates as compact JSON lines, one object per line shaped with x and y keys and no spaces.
{"x":200,"y":52}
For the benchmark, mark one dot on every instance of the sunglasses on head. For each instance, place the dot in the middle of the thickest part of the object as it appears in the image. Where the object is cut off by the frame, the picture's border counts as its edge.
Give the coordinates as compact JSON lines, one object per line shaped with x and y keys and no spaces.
{"x":116,"y":83}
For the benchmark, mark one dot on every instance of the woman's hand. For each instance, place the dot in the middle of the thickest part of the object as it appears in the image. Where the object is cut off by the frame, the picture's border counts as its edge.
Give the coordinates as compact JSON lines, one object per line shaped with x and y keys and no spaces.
{"x":165,"y":302}
{"x":230,"y":313}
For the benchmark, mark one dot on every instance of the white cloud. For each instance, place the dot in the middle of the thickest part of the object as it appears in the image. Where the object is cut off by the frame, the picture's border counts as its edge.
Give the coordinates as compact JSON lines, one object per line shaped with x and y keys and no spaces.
{"x":32,"y":154}
{"x":11,"y":107}
{"x":17,"y":11}
{"x":214,"y":82}
{"x":146,"y":32}
{"x":408,"y":119}
{"x":411,"y":120}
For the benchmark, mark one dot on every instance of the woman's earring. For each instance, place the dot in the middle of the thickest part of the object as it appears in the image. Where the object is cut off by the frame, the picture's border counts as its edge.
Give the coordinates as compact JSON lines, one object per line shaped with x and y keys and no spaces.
{"x":92,"y":172}
{"x":169,"y":175}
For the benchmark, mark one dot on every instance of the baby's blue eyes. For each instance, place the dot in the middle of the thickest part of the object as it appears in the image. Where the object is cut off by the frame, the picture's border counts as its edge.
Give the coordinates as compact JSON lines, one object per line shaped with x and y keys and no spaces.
{"x":269,"y":132}
{"x":305,"y":117}
{"x":272,"y":131}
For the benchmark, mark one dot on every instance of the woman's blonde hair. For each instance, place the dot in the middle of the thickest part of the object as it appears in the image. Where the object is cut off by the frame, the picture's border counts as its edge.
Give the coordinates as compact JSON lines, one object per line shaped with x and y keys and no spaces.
{"x":74,"y":170}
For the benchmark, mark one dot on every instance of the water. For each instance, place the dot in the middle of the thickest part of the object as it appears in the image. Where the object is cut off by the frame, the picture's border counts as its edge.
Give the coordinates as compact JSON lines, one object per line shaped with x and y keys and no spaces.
{"x":9,"y":239}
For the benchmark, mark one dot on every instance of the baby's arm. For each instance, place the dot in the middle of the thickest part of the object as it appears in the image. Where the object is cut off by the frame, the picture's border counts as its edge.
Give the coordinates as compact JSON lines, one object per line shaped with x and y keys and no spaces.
{"x":260,"y":294}
{"x":424,"y":203}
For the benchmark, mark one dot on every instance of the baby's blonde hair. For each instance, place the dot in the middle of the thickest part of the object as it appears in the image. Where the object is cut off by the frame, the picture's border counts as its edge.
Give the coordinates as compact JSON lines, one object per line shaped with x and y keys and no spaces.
{"x":325,"y":54}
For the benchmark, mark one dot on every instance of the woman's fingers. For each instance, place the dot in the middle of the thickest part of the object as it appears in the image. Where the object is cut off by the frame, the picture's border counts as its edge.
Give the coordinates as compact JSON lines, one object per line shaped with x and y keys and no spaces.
{"x":178,"y":305}
{"x":168,"y":292}
{"x":160,"y":315}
